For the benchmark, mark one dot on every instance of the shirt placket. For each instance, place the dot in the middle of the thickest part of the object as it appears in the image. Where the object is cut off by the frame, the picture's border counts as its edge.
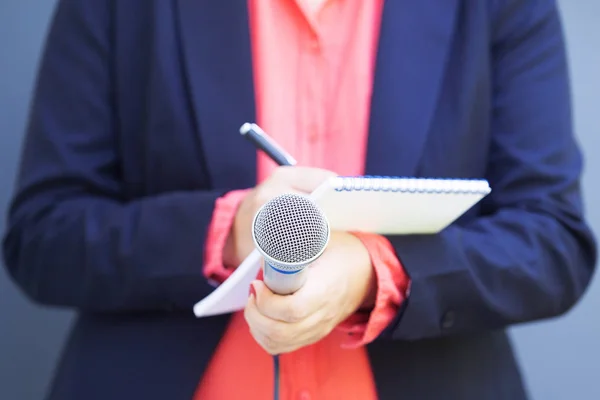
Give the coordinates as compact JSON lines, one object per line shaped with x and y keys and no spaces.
{"x":312,"y":100}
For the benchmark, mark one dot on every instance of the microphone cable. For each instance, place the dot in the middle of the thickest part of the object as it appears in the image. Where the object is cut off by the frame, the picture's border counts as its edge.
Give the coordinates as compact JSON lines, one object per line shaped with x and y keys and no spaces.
{"x":276,"y":377}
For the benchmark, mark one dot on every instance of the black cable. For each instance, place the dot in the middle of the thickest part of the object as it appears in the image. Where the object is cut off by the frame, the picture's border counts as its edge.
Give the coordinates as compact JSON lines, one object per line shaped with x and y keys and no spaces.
{"x":276,"y":377}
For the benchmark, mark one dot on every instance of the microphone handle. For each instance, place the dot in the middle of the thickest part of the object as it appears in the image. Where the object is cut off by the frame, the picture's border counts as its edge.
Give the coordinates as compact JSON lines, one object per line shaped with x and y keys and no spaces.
{"x":283,"y":282}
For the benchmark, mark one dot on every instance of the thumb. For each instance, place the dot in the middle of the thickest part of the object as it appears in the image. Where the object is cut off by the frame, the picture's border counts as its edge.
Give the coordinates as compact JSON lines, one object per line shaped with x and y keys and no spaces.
{"x":262,"y":293}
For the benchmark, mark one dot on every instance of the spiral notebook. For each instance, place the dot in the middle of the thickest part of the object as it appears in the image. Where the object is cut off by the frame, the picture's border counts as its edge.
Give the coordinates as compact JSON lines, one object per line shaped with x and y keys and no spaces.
{"x":385,"y":205}
{"x":397,"y":205}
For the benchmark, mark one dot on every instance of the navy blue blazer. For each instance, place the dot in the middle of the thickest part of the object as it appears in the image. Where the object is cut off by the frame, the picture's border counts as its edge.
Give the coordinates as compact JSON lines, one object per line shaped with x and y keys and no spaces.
{"x":133,"y":135}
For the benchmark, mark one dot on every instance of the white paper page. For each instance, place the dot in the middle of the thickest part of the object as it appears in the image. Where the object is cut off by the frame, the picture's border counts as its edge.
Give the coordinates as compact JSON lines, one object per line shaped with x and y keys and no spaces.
{"x":232,"y":294}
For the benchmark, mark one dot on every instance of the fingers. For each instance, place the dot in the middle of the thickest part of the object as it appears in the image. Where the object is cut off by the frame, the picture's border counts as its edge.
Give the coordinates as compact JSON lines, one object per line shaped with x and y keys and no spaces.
{"x":264,"y":193}
{"x":273,"y":336}
{"x":291,"y":308}
{"x":303,"y":179}
{"x":298,"y":180}
{"x":277,"y":337}
{"x":280,"y":308}
{"x":281,"y":324}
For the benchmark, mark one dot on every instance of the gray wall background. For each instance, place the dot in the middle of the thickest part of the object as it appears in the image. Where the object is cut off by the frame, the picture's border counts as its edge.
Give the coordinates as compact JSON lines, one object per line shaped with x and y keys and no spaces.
{"x":559,"y":358}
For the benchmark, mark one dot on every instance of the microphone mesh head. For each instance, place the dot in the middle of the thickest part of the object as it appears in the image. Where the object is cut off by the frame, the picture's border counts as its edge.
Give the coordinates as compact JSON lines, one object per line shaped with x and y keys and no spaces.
{"x":290,"y":228}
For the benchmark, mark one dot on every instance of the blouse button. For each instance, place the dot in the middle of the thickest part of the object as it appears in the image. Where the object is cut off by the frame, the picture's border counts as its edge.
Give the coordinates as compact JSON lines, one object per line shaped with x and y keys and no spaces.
{"x":304,"y":395}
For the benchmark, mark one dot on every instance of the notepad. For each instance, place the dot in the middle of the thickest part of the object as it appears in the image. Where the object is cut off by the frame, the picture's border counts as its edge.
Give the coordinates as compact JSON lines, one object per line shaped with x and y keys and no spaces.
{"x":397,"y":205}
{"x":375,"y":204}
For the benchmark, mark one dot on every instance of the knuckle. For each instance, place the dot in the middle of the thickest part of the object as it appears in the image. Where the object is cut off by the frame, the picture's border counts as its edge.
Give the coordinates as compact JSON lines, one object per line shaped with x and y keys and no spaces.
{"x":275,"y":334}
{"x":294,"y":314}
{"x":263,"y":341}
{"x":278,"y":176}
{"x":259,"y":194}
{"x":259,"y":200}
{"x":283,"y":177}
{"x":247,"y":317}
{"x":284,"y":171}
{"x":263,"y":195}
{"x":270,"y":337}
{"x":269,"y":346}
{"x":330,"y":315}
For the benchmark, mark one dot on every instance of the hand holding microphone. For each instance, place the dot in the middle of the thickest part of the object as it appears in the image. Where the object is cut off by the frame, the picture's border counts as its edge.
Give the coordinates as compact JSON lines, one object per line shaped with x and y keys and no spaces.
{"x":313,"y":279}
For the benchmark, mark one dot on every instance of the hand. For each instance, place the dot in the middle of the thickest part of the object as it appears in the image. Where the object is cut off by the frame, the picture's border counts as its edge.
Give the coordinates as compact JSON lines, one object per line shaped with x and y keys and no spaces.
{"x":284,"y":180}
{"x":338,"y":284}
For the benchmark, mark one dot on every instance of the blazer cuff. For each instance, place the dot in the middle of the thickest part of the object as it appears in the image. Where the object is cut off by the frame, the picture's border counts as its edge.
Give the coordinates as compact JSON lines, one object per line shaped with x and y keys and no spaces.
{"x":218,"y":231}
{"x":365,"y":326}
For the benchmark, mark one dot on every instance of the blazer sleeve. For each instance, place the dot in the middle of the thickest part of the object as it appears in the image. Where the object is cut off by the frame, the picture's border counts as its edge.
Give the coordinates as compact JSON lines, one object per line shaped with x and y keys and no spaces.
{"x":72,"y":239}
{"x":530,"y":254}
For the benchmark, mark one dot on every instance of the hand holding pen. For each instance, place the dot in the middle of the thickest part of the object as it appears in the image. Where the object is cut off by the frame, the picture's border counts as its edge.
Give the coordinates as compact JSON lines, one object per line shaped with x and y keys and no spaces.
{"x":283,"y":180}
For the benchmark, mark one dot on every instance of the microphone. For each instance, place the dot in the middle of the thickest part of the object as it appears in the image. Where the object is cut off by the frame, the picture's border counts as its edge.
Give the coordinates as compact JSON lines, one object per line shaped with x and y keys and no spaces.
{"x":291,"y":232}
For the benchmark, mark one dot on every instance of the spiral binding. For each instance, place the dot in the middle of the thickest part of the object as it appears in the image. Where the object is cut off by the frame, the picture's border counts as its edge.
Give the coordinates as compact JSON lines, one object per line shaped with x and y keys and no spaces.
{"x":411,"y":185}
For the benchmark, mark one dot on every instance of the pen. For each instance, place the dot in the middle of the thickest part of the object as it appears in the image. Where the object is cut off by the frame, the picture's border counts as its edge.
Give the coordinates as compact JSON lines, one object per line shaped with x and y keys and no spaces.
{"x":261,"y":140}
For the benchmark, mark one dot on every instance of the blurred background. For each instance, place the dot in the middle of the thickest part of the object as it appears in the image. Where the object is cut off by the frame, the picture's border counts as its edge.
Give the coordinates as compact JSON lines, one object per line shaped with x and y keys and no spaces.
{"x":559,"y":358}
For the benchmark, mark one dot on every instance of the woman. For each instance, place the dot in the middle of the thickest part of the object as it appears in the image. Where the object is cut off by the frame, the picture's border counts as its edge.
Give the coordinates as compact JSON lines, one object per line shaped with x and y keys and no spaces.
{"x":135,"y":193}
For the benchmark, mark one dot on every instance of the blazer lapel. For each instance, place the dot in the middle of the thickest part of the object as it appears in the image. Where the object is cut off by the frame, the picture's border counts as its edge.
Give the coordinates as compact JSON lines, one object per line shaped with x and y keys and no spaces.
{"x":218,"y":67}
{"x":414,"y":41}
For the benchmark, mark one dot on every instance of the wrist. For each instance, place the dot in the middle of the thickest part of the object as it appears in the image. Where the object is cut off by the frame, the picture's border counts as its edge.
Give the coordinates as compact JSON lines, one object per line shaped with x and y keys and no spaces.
{"x":370,"y":297}
{"x":232,"y":251}
{"x":365,"y":279}
{"x":230,"y":258}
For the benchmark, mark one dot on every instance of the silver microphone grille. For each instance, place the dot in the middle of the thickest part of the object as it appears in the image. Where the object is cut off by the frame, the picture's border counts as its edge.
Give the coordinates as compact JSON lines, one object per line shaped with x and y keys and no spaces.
{"x":290,"y":229}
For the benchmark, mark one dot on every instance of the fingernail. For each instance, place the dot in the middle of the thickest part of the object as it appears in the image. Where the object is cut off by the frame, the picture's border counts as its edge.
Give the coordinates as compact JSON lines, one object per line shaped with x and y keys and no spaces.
{"x":252,"y":290}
